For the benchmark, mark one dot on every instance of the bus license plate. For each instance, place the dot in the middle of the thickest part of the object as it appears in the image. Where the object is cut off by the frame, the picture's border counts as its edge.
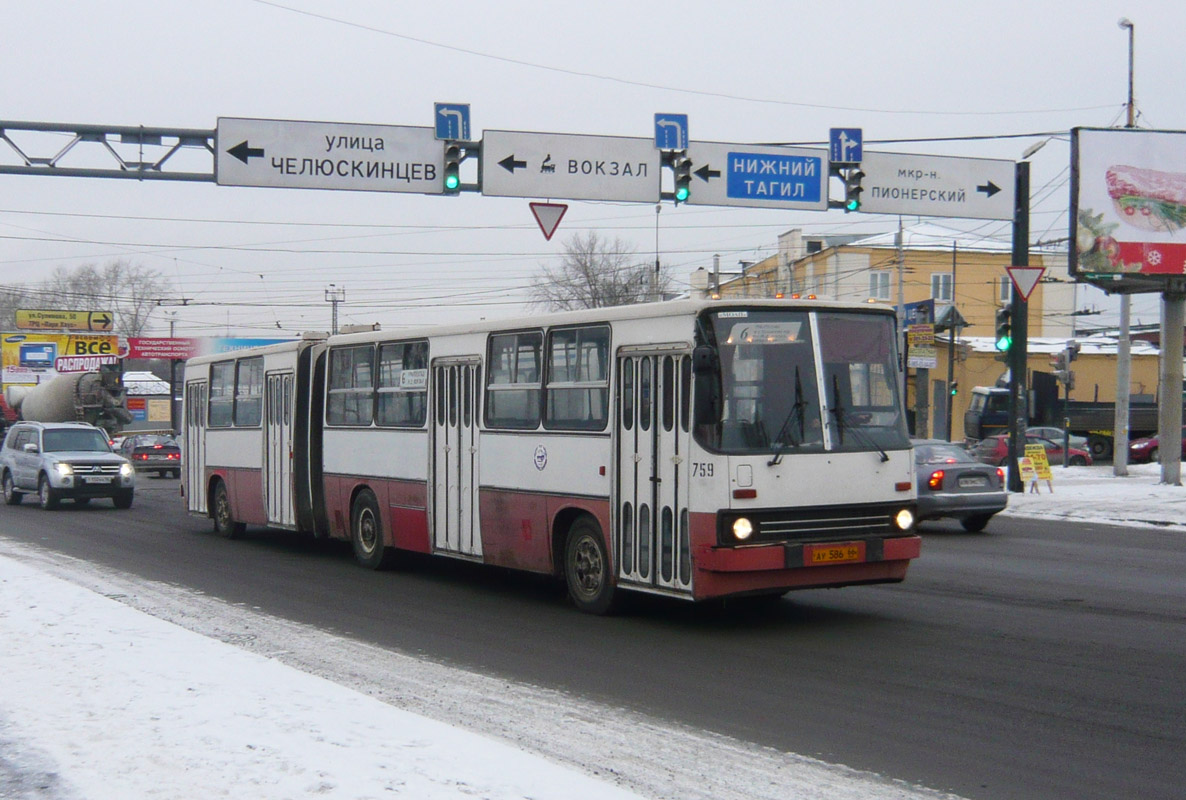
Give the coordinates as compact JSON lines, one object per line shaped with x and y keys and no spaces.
{"x":837,"y":553}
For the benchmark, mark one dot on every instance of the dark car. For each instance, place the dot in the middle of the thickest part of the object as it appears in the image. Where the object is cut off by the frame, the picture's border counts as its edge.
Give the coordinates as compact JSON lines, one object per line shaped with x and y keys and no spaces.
{"x":995,"y":450}
{"x":153,"y":453}
{"x":953,"y":484}
{"x":1149,"y":449}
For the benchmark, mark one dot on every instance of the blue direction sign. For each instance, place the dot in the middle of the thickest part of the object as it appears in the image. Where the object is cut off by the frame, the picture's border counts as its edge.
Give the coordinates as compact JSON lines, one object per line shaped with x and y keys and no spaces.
{"x":758,"y":176}
{"x":671,"y":131}
{"x":452,"y":120}
{"x":845,"y":145}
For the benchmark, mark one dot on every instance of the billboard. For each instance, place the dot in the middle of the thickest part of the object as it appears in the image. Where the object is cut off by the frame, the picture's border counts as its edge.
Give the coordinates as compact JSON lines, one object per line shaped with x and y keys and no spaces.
{"x":182,"y":348}
{"x":1128,"y":207}
{"x":31,"y":358}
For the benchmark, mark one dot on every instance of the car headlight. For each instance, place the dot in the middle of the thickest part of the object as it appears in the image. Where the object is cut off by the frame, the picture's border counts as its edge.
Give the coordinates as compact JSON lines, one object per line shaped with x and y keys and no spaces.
{"x":742,"y":528}
{"x":904,"y":519}
{"x":126,"y":470}
{"x":63,"y":469}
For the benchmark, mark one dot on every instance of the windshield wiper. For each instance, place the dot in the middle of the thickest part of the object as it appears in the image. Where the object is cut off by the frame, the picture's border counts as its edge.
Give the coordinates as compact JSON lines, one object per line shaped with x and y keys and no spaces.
{"x":839,"y":412}
{"x":796,"y":412}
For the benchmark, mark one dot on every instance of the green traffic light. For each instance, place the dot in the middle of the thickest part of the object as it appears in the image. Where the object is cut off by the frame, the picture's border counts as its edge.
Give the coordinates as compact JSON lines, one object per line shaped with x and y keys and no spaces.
{"x":452,"y":181}
{"x":852,"y":204}
{"x":682,"y":193}
{"x":1004,"y":343}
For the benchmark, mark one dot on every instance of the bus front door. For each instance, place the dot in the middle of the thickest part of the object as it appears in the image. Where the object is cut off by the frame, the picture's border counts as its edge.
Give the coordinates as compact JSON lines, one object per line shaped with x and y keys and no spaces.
{"x":651,"y":522}
{"x":193,"y":451}
{"x":278,"y":449}
{"x":456,"y":388}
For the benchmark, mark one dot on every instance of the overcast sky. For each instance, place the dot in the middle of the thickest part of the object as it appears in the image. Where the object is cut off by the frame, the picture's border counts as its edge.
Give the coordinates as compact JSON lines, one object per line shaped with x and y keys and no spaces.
{"x":257,"y":261}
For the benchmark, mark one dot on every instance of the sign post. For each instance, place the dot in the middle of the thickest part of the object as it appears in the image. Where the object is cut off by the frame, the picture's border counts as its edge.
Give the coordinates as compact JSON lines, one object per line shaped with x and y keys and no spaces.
{"x":328,"y":155}
{"x":937,"y":186}
{"x":570,"y":166}
{"x":759,"y":176}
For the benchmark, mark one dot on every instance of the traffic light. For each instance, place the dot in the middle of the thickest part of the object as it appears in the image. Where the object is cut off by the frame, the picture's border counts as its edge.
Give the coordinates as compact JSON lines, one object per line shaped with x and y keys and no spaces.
{"x":954,"y":389}
{"x":682,"y":166}
{"x":853,"y":189}
{"x":452,"y":168}
{"x":1004,"y":338}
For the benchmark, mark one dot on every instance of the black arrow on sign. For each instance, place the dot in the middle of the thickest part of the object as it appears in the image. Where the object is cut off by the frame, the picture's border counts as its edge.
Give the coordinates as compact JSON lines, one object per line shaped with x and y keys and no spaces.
{"x":510,"y":164}
{"x":243,"y":152}
{"x":704,"y":173}
{"x":989,"y":188}
{"x":104,"y":322}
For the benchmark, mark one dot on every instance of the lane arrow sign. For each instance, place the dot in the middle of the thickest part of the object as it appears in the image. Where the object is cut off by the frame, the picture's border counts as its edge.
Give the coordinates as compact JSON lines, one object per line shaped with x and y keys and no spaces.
{"x":705,"y":173}
{"x":1025,"y":279}
{"x":100,"y":321}
{"x":548,"y":216}
{"x":243,"y":151}
{"x":510,"y":164}
{"x":989,"y":188}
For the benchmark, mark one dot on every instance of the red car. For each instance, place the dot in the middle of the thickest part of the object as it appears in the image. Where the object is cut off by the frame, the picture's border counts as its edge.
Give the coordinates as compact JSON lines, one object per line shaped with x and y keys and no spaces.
{"x":1147,"y":449}
{"x":995,"y":450}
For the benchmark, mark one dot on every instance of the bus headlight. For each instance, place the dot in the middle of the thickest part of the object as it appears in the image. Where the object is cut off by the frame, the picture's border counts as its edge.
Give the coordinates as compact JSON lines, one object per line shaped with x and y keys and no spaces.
{"x":742,"y":529}
{"x":904,"y":519}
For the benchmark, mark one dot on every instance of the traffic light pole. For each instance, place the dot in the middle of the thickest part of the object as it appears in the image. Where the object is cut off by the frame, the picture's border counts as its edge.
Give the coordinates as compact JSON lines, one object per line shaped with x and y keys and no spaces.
{"x":1018,"y":350}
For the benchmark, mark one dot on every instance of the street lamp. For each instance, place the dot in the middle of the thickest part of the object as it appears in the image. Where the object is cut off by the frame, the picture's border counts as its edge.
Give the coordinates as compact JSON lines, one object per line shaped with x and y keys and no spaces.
{"x":1126,"y":24}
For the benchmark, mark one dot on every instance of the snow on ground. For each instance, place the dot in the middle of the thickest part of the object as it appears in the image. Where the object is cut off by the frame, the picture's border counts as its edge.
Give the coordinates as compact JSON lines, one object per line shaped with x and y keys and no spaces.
{"x":1094,"y":494}
{"x":118,"y":688}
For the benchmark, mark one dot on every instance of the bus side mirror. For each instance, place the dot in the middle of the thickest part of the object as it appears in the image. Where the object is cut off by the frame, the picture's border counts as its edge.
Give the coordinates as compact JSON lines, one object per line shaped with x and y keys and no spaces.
{"x":706,"y":368}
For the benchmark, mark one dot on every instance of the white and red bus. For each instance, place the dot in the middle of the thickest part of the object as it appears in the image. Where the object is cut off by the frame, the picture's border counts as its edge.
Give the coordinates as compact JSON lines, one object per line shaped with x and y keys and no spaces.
{"x":692,"y":449}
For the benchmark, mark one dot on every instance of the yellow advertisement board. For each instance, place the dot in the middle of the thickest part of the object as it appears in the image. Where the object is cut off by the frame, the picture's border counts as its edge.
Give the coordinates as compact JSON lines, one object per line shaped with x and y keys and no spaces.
{"x":56,"y":319}
{"x":32,"y":358}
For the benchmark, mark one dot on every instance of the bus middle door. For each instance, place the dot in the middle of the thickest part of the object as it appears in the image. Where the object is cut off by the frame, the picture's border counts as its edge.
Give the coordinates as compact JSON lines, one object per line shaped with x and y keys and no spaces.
{"x":455,"y":524}
{"x":278,"y":449}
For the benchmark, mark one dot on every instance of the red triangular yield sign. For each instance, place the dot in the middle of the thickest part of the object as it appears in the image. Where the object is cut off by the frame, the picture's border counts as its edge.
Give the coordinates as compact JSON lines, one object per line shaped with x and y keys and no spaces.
{"x":1025,"y":279}
{"x":548,"y":215}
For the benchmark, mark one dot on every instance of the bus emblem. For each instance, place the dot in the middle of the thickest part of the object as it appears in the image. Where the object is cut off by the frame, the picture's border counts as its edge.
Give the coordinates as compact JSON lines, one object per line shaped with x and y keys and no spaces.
{"x":541,"y":457}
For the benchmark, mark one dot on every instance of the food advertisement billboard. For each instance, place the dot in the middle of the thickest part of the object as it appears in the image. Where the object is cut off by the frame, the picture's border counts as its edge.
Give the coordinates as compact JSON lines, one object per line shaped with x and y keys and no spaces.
{"x":1128,"y":207}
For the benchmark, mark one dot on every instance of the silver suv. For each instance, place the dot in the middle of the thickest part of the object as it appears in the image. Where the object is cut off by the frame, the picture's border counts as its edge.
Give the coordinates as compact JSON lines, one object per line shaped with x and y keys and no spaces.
{"x":63,"y":460}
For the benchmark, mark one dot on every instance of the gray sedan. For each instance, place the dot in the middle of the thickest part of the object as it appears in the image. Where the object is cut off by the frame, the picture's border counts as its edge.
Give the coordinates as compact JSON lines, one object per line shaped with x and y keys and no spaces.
{"x":951,"y":483}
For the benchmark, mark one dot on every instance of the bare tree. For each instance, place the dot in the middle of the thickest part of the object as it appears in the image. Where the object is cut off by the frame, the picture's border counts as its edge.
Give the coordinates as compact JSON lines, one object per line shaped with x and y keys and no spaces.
{"x":596,"y":273}
{"x":12,"y":297}
{"x":129,"y":290}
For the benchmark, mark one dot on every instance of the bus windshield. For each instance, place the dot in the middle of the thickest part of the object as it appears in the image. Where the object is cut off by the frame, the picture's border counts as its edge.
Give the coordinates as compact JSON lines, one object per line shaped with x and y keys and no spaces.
{"x":805,"y":381}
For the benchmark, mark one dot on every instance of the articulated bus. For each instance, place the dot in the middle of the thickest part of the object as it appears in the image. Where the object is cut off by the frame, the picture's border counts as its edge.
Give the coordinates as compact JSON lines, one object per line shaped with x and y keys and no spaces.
{"x":696,"y":449}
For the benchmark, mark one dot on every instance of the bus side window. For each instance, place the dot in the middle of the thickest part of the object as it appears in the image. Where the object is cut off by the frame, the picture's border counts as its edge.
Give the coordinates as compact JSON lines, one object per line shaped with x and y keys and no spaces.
{"x":513,"y":387}
{"x":222,"y":394}
{"x":578,"y":379}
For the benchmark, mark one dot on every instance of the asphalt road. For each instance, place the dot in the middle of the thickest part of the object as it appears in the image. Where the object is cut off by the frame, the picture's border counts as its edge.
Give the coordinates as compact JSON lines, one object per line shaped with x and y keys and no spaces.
{"x":1037,"y":660}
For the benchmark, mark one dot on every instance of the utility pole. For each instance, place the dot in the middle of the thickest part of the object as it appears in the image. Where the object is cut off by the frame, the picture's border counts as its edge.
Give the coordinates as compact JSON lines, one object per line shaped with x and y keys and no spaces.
{"x":334,"y":295}
{"x":1123,"y":343}
{"x":951,"y":331}
{"x":1018,"y":349}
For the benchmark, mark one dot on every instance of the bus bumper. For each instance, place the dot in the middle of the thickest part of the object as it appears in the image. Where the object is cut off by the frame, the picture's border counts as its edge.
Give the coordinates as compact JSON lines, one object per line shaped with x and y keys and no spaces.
{"x":723,"y":571}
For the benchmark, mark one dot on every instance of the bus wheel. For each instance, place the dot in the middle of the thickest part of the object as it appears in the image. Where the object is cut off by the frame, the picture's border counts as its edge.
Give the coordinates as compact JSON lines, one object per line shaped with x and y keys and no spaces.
{"x":224,"y":523}
{"x":587,"y":569}
{"x":366,"y":532}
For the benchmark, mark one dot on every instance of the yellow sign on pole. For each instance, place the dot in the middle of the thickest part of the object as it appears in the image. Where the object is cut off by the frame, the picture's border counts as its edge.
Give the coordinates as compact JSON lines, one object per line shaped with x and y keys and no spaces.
{"x":56,"y":319}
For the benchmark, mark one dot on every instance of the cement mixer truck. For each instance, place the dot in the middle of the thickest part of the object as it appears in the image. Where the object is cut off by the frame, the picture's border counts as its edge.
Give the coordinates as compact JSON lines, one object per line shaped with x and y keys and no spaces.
{"x":95,"y":397}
